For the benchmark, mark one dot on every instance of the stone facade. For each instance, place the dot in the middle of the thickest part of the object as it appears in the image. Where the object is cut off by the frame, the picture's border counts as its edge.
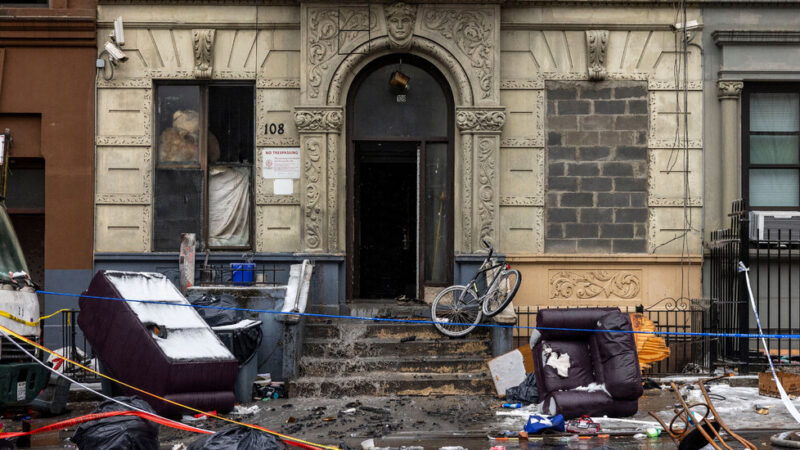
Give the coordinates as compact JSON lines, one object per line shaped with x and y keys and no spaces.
{"x":596,"y":167}
{"x":504,"y":64}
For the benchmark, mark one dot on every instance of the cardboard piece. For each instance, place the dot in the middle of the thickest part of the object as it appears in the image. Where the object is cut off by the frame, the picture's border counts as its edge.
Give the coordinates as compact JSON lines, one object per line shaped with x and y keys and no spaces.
{"x":508,"y":370}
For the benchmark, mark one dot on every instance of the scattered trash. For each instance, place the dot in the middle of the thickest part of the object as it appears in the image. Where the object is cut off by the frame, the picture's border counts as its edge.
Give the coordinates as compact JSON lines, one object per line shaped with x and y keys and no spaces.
{"x":512,"y":405}
{"x":525,"y":392}
{"x":537,"y":423}
{"x":653,"y":432}
{"x":118,"y":432}
{"x":291,"y":419}
{"x":639,"y":436}
{"x":329,"y":419}
{"x":349,"y":411}
{"x":179,"y":446}
{"x":238,"y":437}
{"x":368,"y":444}
{"x":763,"y":410}
{"x":508,"y":370}
{"x":240,"y":410}
{"x":498,"y":447}
{"x":584,"y":425}
{"x":408,"y":339}
{"x":187,"y":418}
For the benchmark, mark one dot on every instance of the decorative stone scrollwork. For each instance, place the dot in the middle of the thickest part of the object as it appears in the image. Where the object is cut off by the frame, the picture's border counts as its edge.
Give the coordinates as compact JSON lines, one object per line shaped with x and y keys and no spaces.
{"x":596,"y":45}
{"x":400,"y":19}
{"x":472,"y":32}
{"x":486,"y":189}
{"x":589,"y":284}
{"x":475,"y":120}
{"x":313,"y":208}
{"x":319,"y":120}
{"x":203,"y":44}
{"x":729,"y":89}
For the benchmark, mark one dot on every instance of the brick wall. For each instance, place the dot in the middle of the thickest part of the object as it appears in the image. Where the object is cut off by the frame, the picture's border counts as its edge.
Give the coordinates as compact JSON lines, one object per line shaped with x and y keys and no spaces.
{"x":596,"y":167}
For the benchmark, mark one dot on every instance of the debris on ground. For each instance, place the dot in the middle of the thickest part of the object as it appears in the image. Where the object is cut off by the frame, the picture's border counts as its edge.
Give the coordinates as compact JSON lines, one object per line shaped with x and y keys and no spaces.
{"x":508,"y":370}
{"x":526,"y":392}
{"x":118,"y":432}
{"x":238,"y":437}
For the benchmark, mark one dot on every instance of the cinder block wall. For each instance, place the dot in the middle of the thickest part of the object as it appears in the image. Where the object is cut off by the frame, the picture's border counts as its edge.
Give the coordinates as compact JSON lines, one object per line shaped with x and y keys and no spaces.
{"x":596,"y":167}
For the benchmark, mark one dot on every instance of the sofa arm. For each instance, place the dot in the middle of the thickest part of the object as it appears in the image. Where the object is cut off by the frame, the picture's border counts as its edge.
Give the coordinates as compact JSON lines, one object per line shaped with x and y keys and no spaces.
{"x":618,"y":359}
{"x":572,"y":404}
{"x":572,"y":318}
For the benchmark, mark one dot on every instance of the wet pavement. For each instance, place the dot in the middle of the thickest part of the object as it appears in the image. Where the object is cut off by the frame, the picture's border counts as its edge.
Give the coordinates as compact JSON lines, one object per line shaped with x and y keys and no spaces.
{"x":446,"y":421}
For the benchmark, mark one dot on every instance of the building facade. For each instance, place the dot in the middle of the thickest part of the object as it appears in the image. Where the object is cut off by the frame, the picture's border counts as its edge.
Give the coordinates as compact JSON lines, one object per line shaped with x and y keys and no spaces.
{"x":47,"y":70}
{"x":392,"y":143}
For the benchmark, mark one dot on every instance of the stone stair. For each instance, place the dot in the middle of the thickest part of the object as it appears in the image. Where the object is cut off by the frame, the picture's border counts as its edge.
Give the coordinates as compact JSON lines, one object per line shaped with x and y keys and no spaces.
{"x":350,"y":357}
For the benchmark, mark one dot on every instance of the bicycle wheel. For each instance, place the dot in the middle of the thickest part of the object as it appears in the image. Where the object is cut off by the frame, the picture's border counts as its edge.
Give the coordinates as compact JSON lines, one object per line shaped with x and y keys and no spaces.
{"x":506,"y":287}
{"x":456,"y":311}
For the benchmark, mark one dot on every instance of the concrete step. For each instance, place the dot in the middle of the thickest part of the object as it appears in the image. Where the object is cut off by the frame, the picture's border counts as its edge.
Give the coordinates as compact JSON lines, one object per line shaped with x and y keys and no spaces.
{"x":320,"y":347}
{"x":381,"y":330}
{"x":382,"y":309}
{"x":390,"y":383}
{"x":329,"y":367}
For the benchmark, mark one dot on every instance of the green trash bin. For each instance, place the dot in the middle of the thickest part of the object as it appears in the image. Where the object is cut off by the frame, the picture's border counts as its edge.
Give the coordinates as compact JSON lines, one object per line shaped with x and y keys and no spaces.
{"x":20,"y":383}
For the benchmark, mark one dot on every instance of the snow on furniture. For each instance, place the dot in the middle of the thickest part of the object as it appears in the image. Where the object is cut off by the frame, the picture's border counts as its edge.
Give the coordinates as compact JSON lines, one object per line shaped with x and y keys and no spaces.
{"x":166,"y":349}
{"x":586,"y":372}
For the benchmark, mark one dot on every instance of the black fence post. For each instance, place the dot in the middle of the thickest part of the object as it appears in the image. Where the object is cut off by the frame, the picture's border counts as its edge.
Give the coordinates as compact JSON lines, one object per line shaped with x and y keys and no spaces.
{"x":743,"y":297}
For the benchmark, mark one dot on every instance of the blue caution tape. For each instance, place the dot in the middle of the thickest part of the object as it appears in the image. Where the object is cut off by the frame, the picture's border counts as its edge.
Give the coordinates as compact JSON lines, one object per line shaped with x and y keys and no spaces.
{"x":383,"y":319}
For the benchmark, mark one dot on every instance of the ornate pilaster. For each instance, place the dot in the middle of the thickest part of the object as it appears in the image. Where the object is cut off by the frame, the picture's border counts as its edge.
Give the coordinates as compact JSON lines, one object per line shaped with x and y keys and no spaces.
{"x":480,"y":130}
{"x":596,"y":47}
{"x":730,"y":154}
{"x":319,"y":129}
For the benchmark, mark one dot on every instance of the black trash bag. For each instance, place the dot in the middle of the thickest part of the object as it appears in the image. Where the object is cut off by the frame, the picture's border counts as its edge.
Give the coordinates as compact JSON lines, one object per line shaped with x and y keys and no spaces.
{"x":526,"y":392}
{"x":238,"y":438}
{"x":119,"y":432}
{"x":215,"y":317}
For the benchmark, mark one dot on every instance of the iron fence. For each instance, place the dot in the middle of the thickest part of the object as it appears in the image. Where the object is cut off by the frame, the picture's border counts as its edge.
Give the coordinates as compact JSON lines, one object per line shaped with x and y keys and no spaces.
{"x":688,"y":354}
{"x":75,"y":347}
{"x":773,"y":258}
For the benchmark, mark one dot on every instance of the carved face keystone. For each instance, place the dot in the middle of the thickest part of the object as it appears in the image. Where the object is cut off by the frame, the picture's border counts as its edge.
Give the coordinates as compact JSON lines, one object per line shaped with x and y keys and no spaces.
{"x":400,"y":20}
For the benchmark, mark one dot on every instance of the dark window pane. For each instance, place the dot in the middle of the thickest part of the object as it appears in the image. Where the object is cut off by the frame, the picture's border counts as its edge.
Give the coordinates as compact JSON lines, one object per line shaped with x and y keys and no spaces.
{"x":178,"y":207}
{"x":774,"y":187}
{"x":377,"y":111}
{"x":230,"y":124}
{"x":766,"y":149}
{"x":178,"y":126}
{"x":436,"y":213}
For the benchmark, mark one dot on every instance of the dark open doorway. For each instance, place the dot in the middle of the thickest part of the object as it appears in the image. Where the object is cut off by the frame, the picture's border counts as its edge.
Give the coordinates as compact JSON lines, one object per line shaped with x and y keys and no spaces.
{"x":399,"y":180}
{"x":385,"y":209}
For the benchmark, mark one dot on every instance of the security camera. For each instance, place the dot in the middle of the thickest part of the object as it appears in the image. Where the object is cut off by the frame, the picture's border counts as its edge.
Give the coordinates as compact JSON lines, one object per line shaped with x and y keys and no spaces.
{"x":115,"y":52}
{"x":690,"y":25}
{"x":118,"y":35}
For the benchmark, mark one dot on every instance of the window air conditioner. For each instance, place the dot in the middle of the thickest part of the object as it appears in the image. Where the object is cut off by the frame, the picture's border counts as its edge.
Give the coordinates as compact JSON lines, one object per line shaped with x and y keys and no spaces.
{"x":767,"y":225}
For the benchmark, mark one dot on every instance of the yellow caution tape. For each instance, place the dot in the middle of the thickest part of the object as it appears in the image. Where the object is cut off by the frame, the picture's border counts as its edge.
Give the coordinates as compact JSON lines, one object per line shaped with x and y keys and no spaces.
{"x":28,"y":323}
{"x":89,"y":369}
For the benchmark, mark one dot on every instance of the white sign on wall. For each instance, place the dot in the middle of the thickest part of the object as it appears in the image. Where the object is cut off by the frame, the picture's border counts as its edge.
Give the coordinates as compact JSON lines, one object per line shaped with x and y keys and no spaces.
{"x":280,"y":163}
{"x":2,"y":149}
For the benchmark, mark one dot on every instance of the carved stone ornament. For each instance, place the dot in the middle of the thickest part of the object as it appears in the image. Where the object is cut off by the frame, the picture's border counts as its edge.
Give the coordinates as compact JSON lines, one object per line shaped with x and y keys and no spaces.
{"x":203,"y":44}
{"x":400,"y":19}
{"x":319,"y":120}
{"x":476,"y":120}
{"x":596,"y":45}
{"x":472,"y":32}
{"x":590,"y":284}
{"x":729,"y":89}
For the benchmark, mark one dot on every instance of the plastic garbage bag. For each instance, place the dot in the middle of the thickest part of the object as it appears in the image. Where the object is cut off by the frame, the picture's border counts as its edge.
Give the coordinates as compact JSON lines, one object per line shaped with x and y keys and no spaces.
{"x":215,"y":316}
{"x":238,"y":438}
{"x":538,"y":423}
{"x":119,"y":432}
{"x":525,"y":392}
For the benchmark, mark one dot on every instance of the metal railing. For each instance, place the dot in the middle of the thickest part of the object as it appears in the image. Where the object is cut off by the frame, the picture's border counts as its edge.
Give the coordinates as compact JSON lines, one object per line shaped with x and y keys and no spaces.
{"x":688,"y":354}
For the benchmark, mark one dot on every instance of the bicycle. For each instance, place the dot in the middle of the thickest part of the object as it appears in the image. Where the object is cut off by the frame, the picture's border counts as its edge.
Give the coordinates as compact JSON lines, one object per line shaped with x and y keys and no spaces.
{"x":458,"y":309}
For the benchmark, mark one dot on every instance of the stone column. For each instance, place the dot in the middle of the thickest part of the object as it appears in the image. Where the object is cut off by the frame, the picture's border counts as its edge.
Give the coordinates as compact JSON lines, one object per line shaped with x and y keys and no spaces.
{"x":480,"y":130}
{"x":319,"y":128}
{"x":731,"y":154}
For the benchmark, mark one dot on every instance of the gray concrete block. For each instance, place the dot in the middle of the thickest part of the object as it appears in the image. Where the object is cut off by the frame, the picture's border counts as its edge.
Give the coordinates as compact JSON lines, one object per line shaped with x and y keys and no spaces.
{"x":556,"y":153}
{"x":615,"y":138}
{"x":613,"y":199}
{"x":555,"y":231}
{"x":551,"y":199}
{"x":592,"y":92}
{"x":617,"y":230}
{"x":577,"y":199}
{"x":631,"y":152}
{"x":596,"y":215}
{"x":596,"y":153}
{"x":616,"y":169}
{"x":630,"y":184}
{"x":555,"y":169}
{"x":629,"y":246}
{"x":637,"y":106}
{"x":630,"y":91}
{"x":594,"y":245}
{"x":640,"y":230}
{"x":584,"y":169}
{"x":562,"y":183}
{"x":562,"y":93}
{"x":563,"y":122}
{"x":562,"y":215}
{"x":566,"y":107}
{"x":631,"y":122}
{"x":638,"y":199}
{"x":609,"y":107}
{"x":581,"y":230}
{"x":596,"y":184}
{"x":595,"y":122}
{"x":580,"y":138}
{"x":560,"y":245}
{"x":553,"y":138}
{"x":628,"y":215}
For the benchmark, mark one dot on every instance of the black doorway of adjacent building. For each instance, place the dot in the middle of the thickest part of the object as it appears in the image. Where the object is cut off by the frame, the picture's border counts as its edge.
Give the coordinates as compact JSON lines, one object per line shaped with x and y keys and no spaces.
{"x":399,"y":180}
{"x":385,"y":219}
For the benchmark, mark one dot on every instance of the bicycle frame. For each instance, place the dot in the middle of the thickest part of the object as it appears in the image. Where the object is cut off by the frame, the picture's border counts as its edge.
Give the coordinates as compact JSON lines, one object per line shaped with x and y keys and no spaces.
{"x":490,"y":287}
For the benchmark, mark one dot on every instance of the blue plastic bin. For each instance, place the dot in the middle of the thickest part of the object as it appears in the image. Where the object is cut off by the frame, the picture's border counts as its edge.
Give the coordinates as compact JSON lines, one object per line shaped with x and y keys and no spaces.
{"x":243,"y":273}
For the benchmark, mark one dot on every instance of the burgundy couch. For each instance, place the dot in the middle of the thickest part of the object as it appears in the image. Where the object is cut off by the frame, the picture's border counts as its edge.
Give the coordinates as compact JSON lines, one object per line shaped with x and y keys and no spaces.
{"x":165,"y":349}
{"x":604,"y":376}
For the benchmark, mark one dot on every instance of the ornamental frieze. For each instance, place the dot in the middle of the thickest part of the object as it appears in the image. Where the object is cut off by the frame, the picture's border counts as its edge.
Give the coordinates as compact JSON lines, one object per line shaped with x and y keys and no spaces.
{"x":318,"y":119}
{"x":476,"y":120}
{"x":594,"y":284}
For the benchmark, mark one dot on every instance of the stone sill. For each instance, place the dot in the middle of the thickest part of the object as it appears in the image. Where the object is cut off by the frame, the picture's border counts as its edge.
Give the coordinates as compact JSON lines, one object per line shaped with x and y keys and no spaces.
{"x":578,"y":258}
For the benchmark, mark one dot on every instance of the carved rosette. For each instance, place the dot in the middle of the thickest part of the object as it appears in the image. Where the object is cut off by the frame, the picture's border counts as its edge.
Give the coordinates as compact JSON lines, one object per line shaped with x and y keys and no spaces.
{"x":596,"y":47}
{"x":203,"y":44}
{"x":312,"y":171}
{"x":472,"y":31}
{"x":316,"y":120}
{"x":731,"y":90}
{"x":592,"y":284}
{"x":481,"y":120}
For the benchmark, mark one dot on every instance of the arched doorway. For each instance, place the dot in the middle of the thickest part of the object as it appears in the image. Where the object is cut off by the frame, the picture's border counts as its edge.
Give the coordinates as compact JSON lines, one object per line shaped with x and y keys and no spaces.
{"x":399,"y":180}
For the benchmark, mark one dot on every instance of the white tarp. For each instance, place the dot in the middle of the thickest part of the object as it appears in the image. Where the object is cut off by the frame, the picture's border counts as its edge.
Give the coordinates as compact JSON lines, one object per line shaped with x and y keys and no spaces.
{"x":229,"y":206}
